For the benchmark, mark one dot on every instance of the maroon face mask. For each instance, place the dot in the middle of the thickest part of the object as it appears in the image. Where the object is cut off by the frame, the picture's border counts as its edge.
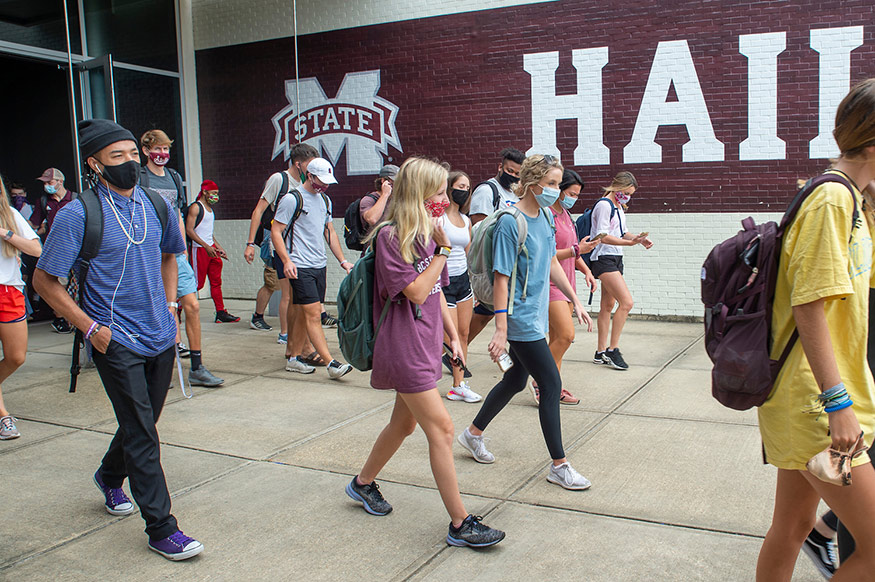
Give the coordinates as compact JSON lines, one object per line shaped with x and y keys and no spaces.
{"x":159,"y":158}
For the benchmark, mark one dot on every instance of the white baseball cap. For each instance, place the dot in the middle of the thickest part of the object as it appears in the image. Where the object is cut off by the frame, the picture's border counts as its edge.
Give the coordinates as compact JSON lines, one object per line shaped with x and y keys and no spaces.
{"x":320,"y":168}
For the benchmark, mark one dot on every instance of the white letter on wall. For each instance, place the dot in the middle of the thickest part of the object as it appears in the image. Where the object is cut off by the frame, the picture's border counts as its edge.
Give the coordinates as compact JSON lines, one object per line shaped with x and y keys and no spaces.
{"x":762,"y":52}
{"x":835,"y":46}
{"x":585,"y":106}
{"x":673,"y":64}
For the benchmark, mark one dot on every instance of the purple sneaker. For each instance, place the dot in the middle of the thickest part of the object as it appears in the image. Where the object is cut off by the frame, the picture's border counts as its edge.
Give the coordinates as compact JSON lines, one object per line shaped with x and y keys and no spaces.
{"x":117,"y":503}
{"x":177,"y":546}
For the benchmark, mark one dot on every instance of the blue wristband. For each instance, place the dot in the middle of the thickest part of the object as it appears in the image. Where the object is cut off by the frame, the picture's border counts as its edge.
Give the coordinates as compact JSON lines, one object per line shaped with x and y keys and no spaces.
{"x":500,"y":311}
{"x":847,"y":403}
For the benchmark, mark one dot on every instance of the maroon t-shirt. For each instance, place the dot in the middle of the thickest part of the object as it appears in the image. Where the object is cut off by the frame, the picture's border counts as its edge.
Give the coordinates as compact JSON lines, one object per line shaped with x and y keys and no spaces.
{"x":407,"y":354}
{"x":52,"y":207}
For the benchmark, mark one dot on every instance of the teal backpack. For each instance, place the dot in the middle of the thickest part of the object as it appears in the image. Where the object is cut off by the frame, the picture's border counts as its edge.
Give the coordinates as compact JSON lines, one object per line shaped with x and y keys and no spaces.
{"x":355,"y":312}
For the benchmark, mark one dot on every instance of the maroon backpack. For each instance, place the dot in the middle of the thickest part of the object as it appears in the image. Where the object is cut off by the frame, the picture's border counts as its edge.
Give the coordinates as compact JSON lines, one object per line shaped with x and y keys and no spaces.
{"x":738,"y":286}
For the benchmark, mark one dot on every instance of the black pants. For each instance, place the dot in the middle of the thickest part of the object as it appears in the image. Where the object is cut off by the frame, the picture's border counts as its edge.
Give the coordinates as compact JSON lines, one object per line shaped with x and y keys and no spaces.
{"x":529,"y":359}
{"x":137,"y":387}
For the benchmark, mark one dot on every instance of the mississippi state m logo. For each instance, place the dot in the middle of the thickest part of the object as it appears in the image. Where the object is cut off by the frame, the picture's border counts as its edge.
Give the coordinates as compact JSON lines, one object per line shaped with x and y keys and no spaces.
{"x":356,"y":119}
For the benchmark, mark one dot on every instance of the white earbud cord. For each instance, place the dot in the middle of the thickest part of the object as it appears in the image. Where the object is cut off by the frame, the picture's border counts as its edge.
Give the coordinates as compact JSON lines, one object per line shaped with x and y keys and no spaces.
{"x":112,"y":323}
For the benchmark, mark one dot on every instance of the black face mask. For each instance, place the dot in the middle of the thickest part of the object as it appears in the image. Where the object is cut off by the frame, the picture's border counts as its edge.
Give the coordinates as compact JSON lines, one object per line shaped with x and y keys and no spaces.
{"x":124,"y":176}
{"x":460,"y":196}
{"x":506,"y":180}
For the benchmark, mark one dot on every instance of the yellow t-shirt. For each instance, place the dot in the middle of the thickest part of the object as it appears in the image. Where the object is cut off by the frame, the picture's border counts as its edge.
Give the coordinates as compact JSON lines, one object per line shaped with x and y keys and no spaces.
{"x":818,"y":262}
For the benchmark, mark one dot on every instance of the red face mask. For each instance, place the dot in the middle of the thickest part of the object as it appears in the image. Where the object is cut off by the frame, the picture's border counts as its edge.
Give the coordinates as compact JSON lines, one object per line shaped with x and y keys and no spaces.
{"x":159,"y":158}
{"x":435,"y":208}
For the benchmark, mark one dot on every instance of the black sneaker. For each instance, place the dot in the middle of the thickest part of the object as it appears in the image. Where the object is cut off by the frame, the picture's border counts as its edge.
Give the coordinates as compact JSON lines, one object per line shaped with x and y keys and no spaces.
{"x":328,"y":322}
{"x":615,"y":359}
{"x":184,"y":352}
{"x":601,"y":358}
{"x":474,"y":534}
{"x":370,"y":497}
{"x":824,"y":556}
{"x":259,"y":324}
{"x":60,"y":325}
{"x":448,"y":364}
{"x":225,"y":317}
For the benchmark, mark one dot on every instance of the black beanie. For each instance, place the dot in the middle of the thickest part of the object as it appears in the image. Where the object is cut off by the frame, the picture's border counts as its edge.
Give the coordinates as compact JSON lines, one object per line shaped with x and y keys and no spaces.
{"x":96,"y":134}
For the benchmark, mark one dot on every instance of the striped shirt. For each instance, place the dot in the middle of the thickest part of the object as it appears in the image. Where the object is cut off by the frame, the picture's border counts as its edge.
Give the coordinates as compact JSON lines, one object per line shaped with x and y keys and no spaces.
{"x":124,"y":289}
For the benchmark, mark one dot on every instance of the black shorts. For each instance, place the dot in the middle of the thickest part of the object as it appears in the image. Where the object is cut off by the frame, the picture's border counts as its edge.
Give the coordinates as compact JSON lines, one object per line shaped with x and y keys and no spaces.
{"x":481,"y":309}
{"x":459,"y":290}
{"x":278,"y":266}
{"x":309,"y":287}
{"x":607,"y":264}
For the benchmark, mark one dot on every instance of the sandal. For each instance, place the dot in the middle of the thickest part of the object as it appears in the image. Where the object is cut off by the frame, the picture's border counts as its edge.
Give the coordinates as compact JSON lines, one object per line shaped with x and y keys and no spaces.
{"x":314,"y":359}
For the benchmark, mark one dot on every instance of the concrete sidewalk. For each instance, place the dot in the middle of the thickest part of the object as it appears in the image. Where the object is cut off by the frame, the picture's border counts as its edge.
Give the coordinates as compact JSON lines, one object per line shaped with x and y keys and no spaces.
{"x":257,"y":470}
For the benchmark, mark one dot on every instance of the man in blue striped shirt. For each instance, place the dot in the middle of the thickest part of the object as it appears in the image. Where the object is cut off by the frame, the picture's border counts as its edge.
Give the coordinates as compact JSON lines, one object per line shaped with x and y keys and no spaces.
{"x":129,"y":316}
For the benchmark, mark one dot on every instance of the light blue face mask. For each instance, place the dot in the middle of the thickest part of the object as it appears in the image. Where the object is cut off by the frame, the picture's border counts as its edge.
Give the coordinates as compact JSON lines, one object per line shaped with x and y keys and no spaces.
{"x":547,"y":197}
{"x":568,"y":202}
{"x":50,"y":189}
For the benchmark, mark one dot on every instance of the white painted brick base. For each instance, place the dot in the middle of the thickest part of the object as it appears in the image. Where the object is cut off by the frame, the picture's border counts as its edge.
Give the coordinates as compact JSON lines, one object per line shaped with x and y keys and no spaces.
{"x":664,"y":281}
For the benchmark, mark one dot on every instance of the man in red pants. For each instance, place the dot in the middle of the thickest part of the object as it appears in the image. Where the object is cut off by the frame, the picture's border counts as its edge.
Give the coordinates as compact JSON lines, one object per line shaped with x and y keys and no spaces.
{"x":206,"y":252}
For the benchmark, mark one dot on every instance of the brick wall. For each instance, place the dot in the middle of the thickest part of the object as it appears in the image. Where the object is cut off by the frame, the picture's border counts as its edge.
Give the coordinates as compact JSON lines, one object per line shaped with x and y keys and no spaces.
{"x":717,"y":108}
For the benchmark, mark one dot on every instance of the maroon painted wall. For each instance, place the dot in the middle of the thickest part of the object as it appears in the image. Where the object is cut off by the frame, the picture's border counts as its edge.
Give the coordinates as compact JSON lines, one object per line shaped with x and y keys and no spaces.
{"x":463,"y":95}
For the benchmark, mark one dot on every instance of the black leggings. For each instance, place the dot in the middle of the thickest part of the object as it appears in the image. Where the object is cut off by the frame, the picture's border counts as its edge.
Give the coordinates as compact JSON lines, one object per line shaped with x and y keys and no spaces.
{"x":529,"y":359}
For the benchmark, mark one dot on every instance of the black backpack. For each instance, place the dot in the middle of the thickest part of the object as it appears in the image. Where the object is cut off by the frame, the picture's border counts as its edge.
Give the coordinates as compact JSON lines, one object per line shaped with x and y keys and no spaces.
{"x":197,"y":220}
{"x":353,"y":228}
{"x":91,"y":241}
{"x":584,"y":227}
{"x":268,"y":214}
{"x":496,"y":197}
{"x":44,"y":203}
{"x":299,"y":209}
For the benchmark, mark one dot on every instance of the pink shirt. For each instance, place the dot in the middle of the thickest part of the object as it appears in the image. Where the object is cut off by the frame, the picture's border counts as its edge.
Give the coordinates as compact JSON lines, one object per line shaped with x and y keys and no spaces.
{"x":566,"y":236}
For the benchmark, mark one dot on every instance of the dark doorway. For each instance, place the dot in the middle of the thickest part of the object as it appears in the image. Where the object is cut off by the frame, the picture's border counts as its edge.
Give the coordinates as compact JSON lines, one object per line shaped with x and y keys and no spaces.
{"x":35,"y":121}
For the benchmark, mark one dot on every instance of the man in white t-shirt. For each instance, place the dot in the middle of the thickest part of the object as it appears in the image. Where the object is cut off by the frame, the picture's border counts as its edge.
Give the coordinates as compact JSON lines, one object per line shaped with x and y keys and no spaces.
{"x":495,"y":192}
{"x":298,"y":235}
{"x":300,"y":156}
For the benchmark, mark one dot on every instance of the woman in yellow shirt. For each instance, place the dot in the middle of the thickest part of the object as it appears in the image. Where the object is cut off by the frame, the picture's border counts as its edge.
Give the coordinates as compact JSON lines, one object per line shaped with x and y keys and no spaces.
{"x":823,"y":290}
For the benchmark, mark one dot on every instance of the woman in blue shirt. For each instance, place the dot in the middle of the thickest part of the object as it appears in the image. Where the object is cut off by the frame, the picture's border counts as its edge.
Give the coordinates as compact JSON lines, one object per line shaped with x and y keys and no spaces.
{"x":526,"y":328}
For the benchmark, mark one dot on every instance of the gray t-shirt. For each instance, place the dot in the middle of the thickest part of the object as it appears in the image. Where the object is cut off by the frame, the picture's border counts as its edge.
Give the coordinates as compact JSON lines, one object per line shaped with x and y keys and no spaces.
{"x":481,"y":199}
{"x":165,"y":186}
{"x":308,"y":242}
{"x":273,"y":185}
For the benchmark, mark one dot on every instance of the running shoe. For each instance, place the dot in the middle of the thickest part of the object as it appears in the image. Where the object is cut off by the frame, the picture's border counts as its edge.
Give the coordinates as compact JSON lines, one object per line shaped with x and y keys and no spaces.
{"x":823,"y":555}
{"x":476,"y":445}
{"x":259,"y":324}
{"x":463,"y":392}
{"x":328,"y":321}
{"x":473,"y":533}
{"x":565,"y":476}
{"x":8,"y":430}
{"x":601,"y":358}
{"x":296,"y":365}
{"x":184,"y":352}
{"x":337,"y":370}
{"x":566,"y":397}
{"x":370,"y":497}
{"x":615,"y":359}
{"x":203,"y":377}
{"x":282,"y":338}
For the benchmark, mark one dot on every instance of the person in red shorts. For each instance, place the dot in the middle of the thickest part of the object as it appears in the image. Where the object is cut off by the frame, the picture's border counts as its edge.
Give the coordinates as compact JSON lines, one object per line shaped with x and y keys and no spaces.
{"x":206,"y":252}
{"x":17,"y":236}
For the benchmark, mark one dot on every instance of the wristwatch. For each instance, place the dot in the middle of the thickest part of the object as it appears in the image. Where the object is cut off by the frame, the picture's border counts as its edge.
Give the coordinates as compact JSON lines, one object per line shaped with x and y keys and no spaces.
{"x":8,"y":235}
{"x":443,"y":251}
{"x":251,"y":244}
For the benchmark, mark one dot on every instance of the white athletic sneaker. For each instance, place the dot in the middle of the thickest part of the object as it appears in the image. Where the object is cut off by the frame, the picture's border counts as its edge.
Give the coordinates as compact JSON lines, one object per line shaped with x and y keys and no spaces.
{"x":296,"y":365}
{"x":564,"y":475}
{"x":476,"y":445}
{"x":463,"y":392}
{"x":337,"y":369}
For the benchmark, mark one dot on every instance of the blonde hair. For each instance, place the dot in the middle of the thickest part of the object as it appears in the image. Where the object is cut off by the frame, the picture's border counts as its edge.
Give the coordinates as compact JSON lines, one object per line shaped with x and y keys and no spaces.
{"x":622,"y":181}
{"x":532,"y":170}
{"x":155,"y":137}
{"x":418,"y":179}
{"x":7,"y":221}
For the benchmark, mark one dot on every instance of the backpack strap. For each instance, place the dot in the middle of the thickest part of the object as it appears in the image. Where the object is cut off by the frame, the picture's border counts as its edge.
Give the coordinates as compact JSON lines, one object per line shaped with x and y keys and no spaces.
{"x":812,"y":185}
{"x":496,"y":197}
{"x":181,"y":198}
{"x":522,"y":233}
{"x":160,"y":208}
{"x":144,"y":177}
{"x":284,"y":189}
{"x":299,"y":209}
{"x":200,"y":213}
{"x":91,"y":240}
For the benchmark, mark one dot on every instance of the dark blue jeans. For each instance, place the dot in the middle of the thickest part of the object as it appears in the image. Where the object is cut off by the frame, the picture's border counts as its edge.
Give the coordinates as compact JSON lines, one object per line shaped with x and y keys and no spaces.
{"x":137,"y":387}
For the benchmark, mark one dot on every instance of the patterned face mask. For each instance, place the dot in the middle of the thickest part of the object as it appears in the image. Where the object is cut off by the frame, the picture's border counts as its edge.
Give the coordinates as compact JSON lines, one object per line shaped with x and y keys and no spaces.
{"x":436,"y":208}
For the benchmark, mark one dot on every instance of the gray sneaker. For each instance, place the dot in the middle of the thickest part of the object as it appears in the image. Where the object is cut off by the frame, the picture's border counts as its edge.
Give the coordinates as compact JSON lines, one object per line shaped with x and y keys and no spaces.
{"x":564,"y":475}
{"x":203,"y":377}
{"x":336,"y":369}
{"x":8,"y":430}
{"x":296,"y":365}
{"x":476,"y":445}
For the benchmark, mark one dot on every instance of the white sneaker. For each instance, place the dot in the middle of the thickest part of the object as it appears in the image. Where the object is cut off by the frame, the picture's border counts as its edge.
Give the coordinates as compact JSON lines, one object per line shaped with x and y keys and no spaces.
{"x":296,"y":365}
{"x":336,"y":369}
{"x":463,"y":392}
{"x":564,"y":475}
{"x":476,"y":445}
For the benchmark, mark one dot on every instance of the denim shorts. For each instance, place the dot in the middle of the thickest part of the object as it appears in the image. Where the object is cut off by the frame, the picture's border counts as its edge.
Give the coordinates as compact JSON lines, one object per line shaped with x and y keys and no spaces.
{"x":185,"y":281}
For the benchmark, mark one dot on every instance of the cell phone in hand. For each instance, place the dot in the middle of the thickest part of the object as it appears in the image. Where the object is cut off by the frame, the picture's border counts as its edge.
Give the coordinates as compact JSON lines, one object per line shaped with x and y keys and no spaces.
{"x":644,"y":234}
{"x":599,"y":236}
